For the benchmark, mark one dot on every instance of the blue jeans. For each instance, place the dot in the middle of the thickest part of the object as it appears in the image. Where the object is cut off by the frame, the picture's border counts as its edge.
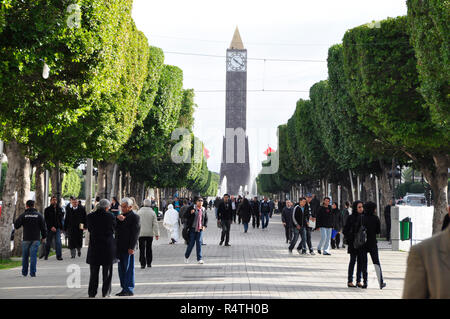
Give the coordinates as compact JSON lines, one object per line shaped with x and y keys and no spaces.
{"x":264,"y":220}
{"x":29,"y":255}
{"x":48,"y":244}
{"x":195,"y":238}
{"x":325,"y":234}
{"x":245,"y":226}
{"x":216,"y":210}
{"x":295,"y":239}
{"x":126,"y":272}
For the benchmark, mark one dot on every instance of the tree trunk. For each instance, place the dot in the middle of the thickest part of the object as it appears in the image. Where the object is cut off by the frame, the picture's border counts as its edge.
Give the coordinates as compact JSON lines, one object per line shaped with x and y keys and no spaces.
{"x":386,"y":193}
{"x":40,"y":185}
{"x":368,"y":189}
{"x":102,"y":171}
{"x":334,"y":193}
{"x":438,"y":180}
{"x":23,"y":195}
{"x":13,"y":153}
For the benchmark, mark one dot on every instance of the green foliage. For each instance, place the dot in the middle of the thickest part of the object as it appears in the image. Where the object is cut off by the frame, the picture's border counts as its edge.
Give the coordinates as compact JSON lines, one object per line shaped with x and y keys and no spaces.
{"x":89,"y":105}
{"x":71,"y":184}
{"x":409,"y":187}
{"x":383,"y":84}
{"x":429,"y":28}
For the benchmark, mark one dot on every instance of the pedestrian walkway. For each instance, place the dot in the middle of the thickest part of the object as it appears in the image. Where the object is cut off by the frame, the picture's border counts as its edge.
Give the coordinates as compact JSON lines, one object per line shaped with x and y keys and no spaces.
{"x":257,"y":265}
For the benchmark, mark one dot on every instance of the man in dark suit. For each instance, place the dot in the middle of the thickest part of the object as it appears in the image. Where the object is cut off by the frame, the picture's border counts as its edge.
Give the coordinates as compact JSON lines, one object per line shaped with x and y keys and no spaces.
{"x":102,"y":247}
{"x":127,"y":235}
{"x":74,"y":225}
{"x":224,"y":217}
{"x":53,"y":215}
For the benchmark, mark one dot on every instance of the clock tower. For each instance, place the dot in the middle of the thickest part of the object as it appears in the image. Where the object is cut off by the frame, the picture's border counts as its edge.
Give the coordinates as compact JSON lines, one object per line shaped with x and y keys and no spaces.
{"x":235,"y":159}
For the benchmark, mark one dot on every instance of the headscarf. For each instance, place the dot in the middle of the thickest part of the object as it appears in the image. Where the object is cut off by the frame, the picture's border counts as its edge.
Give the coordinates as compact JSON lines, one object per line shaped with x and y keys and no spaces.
{"x":171,"y":217}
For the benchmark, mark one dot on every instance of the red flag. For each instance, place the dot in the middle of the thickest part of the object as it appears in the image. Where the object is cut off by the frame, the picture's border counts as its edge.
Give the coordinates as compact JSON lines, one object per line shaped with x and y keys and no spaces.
{"x":206,"y":152}
{"x":268,"y":151}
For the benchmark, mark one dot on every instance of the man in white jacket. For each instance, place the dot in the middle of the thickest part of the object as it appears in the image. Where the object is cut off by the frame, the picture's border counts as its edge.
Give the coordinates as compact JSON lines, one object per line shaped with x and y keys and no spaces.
{"x":171,"y":223}
{"x":149,"y":229}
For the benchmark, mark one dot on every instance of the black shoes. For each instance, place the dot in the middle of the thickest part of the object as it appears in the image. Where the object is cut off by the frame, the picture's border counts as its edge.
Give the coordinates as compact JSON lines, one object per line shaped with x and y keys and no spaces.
{"x":79,"y":253}
{"x":326,"y":253}
{"x":382,"y":285}
{"x":303,"y":252}
{"x":227,"y":245}
{"x":221,"y":242}
{"x":312,"y":253}
{"x":46,"y":258}
{"x":143,"y":267}
{"x":124,"y":294}
{"x":149,"y":266}
{"x":359,"y":285}
{"x":319,"y":251}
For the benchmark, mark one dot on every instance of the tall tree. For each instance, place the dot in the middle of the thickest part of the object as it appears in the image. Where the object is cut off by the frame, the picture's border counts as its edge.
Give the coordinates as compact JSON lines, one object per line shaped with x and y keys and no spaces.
{"x":383,"y":84}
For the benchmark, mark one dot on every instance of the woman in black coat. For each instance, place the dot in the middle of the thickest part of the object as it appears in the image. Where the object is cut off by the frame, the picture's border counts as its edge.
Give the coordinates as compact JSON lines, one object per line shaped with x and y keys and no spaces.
{"x":245,"y":213}
{"x":74,"y":225}
{"x":338,"y":224}
{"x":102,"y":247}
{"x":372,"y":224}
{"x":356,"y":255}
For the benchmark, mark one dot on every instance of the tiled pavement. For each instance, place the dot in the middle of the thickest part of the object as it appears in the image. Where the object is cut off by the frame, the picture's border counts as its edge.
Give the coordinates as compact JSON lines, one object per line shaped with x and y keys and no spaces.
{"x":257,"y":265}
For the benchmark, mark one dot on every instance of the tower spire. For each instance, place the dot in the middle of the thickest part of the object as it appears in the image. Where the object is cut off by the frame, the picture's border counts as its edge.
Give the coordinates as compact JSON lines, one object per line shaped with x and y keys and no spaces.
{"x":236,"y":42}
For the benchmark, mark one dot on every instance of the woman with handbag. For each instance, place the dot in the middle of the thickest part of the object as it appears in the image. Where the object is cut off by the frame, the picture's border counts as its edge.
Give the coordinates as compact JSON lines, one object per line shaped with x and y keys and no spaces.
{"x":357,"y":254}
{"x":372,"y":224}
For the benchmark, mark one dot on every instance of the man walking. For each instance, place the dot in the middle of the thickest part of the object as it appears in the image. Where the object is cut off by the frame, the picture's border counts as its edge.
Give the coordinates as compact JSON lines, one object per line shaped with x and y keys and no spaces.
{"x":54,"y":220}
{"x":74,"y":225}
{"x":33,"y":227}
{"x":325,"y":224}
{"x":225,"y":215}
{"x":311,"y":216}
{"x":264,"y":212}
{"x":149,"y":229}
{"x":102,"y":247}
{"x":255,"y":212}
{"x":127,"y":233}
{"x":233,"y":208}
{"x":299,"y":223}
{"x":197,"y":222}
{"x":286,"y":218}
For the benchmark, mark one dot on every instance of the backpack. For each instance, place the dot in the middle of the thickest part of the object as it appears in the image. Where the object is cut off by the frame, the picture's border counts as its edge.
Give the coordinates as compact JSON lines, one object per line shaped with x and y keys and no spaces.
{"x":360,"y":236}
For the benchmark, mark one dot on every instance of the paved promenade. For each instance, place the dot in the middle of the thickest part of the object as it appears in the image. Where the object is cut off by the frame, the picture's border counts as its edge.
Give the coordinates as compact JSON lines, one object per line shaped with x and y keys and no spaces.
{"x":257,"y":265}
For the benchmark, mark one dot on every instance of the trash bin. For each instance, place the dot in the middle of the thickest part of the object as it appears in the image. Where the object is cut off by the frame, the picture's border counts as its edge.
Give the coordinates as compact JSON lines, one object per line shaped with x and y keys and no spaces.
{"x":405,"y":229}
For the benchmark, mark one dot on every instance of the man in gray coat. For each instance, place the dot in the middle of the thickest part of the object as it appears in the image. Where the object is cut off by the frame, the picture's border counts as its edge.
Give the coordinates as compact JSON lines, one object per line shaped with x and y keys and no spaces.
{"x":428,"y":270}
{"x":149,"y":229}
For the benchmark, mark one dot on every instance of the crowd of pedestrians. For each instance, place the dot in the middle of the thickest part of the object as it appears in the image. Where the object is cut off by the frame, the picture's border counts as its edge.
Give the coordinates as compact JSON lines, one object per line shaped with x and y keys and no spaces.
{"x":116,"y":230}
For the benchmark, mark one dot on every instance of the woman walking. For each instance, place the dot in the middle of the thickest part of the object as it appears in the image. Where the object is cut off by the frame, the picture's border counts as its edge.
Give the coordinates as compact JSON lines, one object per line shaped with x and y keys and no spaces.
{"x":171,"y":223}
{"x":244,"y":211}
{"x":338,"y":224}
{"x":372,"y":224}
{"x":357,"y":255}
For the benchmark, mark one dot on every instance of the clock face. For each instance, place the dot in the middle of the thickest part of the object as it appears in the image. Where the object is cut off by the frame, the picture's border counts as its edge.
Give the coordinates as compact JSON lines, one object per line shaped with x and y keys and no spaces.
{"x":237,"y":61}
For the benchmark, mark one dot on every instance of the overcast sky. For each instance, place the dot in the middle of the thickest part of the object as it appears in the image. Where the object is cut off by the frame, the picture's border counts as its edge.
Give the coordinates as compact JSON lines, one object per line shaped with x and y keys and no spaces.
{"x":281,"y":29}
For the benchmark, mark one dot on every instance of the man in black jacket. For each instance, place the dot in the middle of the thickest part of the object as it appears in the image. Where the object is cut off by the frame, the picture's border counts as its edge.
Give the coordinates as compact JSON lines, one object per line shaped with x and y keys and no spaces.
{"x":197,"y":222}
{"x":53,"y":215}
{"x":299,"y":222}
{"x":127,"y":235}
{"x":102,"y":247}
{"x":255,"y":212}
{"x":311,"y":211}
{"x":286,"y":219}
{"x":33,"y":228}
{"x":325,"y":224}
{"x":74,"y":225}
{"x":264,"y":210}
{"x":224,"y":217}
